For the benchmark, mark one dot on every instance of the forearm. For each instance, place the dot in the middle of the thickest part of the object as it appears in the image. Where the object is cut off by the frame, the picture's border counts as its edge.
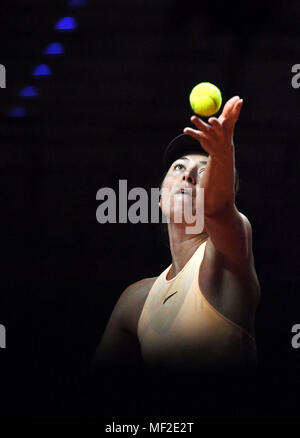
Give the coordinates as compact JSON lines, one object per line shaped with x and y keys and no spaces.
{"x":218,"y":182}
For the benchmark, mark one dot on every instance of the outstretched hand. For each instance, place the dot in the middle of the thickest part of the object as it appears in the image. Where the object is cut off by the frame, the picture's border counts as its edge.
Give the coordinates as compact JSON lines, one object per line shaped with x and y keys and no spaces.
{"x":216,"y":136}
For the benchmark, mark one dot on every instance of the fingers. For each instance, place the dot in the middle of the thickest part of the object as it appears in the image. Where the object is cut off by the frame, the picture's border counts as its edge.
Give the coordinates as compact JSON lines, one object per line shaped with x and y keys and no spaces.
{"x":199,"y":123}
{"x":229,"y":106}
{"x":217,"y":129}
{"x":237,"y":109}
{"x":231,"y":112}
{"x":208,"y":132}
{"x":215,"y":123}
{"x":212,"y":128}
{"x":198,"y":135}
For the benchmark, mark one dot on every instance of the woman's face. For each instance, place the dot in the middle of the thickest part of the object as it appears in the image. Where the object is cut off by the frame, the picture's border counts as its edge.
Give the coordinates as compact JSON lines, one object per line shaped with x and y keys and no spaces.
{"x":181,"y":188}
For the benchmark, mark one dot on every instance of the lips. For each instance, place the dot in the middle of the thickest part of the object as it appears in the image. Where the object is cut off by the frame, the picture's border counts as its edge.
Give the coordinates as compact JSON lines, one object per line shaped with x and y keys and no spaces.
{"x":183,"y":191}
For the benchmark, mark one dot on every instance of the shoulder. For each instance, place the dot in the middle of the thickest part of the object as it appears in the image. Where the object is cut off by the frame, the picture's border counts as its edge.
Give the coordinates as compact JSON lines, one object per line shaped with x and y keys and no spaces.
{"x":248,"y":233}
{"x":232,"y":241}
{"x":230,"y":283}
{"x":239,"y":269}
{"x":239,"y":262}
{"x":139,"y":287}
{"x":248,"y":237}
{"x":131,"y":302}
{"x":246,"y":223}
{"x":136,"y":292}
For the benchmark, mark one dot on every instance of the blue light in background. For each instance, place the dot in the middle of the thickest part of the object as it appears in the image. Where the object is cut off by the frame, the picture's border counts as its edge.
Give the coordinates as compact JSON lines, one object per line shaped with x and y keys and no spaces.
{"x":41,"y":70}
{"x":29,"y":92}
{"x":66,"y":23}
{"x":77,"y":3}
{"x":54,"y":49}
{"x":17,"y":112}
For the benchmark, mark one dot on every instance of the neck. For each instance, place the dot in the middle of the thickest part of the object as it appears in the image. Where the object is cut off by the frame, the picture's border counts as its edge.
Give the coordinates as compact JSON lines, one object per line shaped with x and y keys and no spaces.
{"x":182,"y":246}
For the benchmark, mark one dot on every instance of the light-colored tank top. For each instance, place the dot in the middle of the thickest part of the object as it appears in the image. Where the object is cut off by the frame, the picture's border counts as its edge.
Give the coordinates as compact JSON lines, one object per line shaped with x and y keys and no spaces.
{"x":178,"y":327}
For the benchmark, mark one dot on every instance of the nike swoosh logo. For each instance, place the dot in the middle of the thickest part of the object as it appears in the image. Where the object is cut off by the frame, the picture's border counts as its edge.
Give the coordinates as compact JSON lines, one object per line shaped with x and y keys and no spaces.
{"x":170,"y":296}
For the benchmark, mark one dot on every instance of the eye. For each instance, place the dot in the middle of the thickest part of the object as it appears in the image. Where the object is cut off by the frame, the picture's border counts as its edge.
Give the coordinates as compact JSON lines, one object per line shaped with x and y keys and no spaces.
{"x":178,"y":165}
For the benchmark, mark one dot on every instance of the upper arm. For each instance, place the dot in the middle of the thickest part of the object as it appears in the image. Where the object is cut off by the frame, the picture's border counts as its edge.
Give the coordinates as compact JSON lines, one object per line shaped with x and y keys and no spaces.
{"x":230,"y":235}
{"x":119,"y":340}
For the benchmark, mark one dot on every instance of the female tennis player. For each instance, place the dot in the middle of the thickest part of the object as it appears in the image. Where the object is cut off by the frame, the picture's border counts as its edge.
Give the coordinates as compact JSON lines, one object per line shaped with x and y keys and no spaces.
{"x":200,"y":311}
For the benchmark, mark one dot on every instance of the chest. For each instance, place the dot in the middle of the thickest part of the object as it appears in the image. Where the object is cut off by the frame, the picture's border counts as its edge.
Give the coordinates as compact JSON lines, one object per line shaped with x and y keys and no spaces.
{"x":170,"y":309}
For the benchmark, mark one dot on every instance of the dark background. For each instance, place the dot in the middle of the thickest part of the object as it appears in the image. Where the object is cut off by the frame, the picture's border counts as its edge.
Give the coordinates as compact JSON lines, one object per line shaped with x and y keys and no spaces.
{"x":115,"y":99}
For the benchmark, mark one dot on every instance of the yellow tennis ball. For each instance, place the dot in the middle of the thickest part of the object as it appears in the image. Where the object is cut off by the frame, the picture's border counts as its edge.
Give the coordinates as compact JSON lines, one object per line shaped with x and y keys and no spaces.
{"x":205,"y":99}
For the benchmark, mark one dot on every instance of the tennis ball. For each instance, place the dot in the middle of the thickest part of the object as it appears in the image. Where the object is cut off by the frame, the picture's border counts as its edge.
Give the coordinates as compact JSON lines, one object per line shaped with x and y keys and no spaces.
{"x":205,"y":99}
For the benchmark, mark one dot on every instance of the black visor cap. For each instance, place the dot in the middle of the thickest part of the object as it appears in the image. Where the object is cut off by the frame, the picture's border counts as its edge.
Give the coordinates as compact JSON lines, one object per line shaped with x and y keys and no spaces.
{"x":181,"y":145}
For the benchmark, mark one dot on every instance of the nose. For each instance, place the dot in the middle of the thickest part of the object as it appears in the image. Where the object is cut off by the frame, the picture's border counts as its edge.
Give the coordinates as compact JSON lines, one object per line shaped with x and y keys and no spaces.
{"x":190,"y":176}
